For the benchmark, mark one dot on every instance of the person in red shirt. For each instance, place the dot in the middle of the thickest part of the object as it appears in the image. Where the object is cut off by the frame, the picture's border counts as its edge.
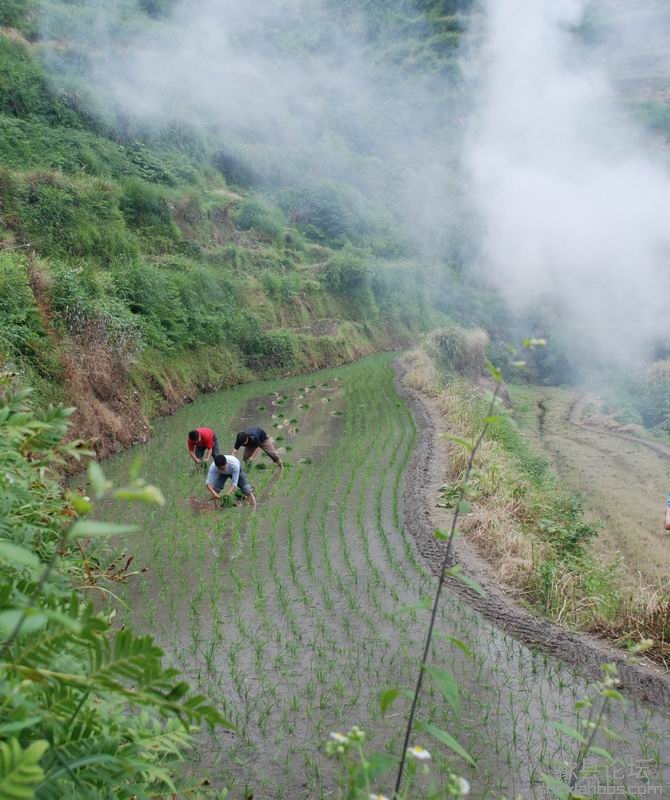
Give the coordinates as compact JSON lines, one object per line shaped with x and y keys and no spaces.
{"x":202,"y":444}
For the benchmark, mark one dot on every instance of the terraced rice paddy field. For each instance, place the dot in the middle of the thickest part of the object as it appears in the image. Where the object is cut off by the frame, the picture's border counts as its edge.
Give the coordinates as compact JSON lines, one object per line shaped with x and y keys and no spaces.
{"x":295,"y":618}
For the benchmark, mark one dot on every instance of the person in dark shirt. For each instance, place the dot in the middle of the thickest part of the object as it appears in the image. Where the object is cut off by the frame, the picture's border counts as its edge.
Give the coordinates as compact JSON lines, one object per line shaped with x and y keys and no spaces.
{"x":202,"y":443}
{"x":253,"y":440}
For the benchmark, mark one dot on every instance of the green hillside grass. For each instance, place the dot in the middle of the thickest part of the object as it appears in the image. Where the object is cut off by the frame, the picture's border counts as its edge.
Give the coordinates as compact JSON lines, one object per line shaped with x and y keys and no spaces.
{"x":149,"y":254}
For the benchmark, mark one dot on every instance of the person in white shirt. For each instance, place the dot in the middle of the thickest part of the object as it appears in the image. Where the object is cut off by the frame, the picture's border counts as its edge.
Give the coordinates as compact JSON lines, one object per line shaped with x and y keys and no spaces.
{"x":222,"y":468}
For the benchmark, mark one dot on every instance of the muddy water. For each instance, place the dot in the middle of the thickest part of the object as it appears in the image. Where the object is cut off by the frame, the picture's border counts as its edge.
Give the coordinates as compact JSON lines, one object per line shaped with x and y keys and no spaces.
{"x":291,"y":619}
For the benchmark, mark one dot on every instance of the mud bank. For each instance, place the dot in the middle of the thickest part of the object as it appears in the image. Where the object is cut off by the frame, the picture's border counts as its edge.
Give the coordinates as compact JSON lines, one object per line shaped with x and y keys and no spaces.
{"x":422,"y":517}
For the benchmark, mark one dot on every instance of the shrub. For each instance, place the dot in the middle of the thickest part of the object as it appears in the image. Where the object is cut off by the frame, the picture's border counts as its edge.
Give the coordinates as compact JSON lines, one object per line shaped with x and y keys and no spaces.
{"x":346,"y":273}
{"x":144,"y":205}
{"x":157,"y":167}
{"x":19,"y":14}
{"x":24,"y":90}
{"x":325,"y":212}
{"x":85,"y":305}
{"x":33,"y":144}
{"x":21,"y":330}
{"x":63,"y":217}
{"x":270,"y":350}
{"x":281,"y":287}
{"x":267,"y":220}
{"x":153,"y":296}
{"x":236,"y":170}
{"x":652,"y":395}
{"x":158,"y":9}
{"x":460,"y":350}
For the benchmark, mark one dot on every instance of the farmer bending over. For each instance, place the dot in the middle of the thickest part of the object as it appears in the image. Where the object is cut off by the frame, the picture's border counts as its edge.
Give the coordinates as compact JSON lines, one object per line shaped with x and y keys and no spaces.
{"x":222,"y":468}
{"x":202,"y":443}
{"x":253,"y":440}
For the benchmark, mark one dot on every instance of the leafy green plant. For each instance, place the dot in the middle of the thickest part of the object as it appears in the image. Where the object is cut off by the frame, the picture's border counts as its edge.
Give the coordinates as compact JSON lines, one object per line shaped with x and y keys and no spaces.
{"x":21,"y":329}
{"x":346,"y":273}
{"x":144,"y":205}
{"x":25,"y":91}
{"x":270,"y":349}
{"x":651,"y":395}
{"x":261,"y":217}
{"x":68,"y":680}
{"x":325,"y":212}
{"x":66,"y":217}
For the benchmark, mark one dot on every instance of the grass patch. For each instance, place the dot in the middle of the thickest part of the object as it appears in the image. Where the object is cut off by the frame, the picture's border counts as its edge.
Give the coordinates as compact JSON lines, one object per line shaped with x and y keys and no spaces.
{"x":522,"y":518}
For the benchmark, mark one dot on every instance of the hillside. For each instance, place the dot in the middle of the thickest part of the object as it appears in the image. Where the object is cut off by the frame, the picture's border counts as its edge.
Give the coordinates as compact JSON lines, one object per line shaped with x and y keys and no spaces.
{"x":149,"y":234}
{"x":142,"y":264}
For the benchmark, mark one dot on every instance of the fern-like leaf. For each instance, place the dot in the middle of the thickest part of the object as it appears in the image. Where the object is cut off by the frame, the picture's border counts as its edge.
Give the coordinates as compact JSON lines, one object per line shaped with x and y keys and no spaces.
{"x":20,"y":772}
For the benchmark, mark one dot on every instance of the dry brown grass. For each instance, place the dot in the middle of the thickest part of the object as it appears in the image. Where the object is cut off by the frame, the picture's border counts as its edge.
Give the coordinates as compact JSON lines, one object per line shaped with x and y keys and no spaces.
{"x":97,"y":384}
{"x":498,"y":507}
{"x":646,"y":617}
{"x":421,"y":373}
{"x":459,"y":349}
{"x":502,"y":523}
{"x":494,"y":531}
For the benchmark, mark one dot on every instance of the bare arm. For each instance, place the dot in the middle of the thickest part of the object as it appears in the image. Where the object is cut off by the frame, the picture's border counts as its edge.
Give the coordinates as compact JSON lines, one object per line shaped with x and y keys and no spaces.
{"x":207,"y":454}
{"x":193,"y":456}
{"x":253,"y":455}
{"x":214,"y":494}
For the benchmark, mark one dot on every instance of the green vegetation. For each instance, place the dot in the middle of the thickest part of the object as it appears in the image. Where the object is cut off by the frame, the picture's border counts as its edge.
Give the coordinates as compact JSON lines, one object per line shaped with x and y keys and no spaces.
{"x":536,"y":523}
{"x":87,"y":709}
{"x":140,"y":265}
{"x":137,"y":246}
{"x":650,"y":394}
{"x":457,"y":350}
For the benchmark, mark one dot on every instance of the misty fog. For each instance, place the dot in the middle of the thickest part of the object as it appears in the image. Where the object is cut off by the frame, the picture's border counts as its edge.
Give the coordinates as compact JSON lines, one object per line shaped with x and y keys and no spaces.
{"x":529,"y":151}
{"x":573,"y":196}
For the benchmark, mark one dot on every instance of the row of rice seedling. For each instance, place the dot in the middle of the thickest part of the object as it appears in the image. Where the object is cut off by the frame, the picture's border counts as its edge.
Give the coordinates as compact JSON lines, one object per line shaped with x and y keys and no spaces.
{"x":292,"y":620}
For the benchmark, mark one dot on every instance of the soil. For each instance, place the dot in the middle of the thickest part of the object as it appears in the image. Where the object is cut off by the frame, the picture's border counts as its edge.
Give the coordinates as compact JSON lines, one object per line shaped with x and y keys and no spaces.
{"x":423,"y":517}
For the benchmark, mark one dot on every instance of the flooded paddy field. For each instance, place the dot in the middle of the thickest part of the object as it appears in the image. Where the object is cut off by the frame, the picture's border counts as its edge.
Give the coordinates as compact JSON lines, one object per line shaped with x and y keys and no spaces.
{"x":294,"y":619}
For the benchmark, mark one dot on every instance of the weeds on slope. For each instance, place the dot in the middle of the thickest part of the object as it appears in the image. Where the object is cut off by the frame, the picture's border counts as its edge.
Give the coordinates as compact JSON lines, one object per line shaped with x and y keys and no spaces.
{"x":521,"y":520}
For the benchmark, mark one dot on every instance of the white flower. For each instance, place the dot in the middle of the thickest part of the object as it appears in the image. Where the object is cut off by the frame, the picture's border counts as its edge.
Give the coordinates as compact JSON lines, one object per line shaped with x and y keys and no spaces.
{"x":378,"y":797}
{"x":464,"y":786}
{"x":418,"y":752}
{"x":340,"y":738}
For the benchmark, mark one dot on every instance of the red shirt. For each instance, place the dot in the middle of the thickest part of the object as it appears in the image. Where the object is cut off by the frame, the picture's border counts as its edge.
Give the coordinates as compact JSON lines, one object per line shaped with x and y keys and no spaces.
{"x":206,"y":440}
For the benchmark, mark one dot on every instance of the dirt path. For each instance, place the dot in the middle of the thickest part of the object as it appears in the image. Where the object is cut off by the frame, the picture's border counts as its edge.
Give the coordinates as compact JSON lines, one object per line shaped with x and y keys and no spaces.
{"x":423,"y":516}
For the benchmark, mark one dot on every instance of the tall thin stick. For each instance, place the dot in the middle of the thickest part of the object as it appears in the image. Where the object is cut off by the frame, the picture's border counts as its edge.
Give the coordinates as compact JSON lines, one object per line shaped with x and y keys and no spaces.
{"x":438,"y":593}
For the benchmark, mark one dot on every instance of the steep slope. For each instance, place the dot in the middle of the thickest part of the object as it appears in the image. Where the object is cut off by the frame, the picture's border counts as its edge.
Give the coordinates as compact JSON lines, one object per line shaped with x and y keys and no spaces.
{"x":141,"y":265}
